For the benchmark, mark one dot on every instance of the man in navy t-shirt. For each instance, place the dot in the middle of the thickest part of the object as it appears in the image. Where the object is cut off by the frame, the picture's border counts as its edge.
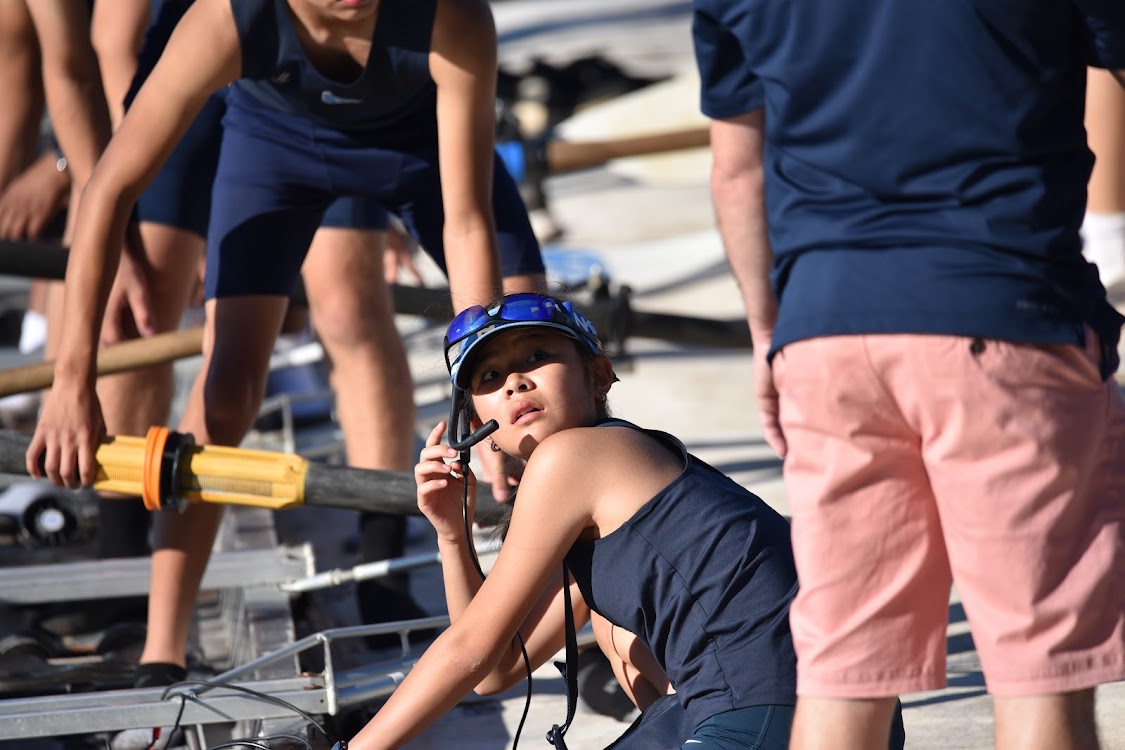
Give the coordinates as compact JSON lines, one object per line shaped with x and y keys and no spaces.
{"x":899,"y":187}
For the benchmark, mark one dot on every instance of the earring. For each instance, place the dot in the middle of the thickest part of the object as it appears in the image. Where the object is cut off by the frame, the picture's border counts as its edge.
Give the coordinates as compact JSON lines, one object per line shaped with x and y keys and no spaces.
{"x":493,"y":446}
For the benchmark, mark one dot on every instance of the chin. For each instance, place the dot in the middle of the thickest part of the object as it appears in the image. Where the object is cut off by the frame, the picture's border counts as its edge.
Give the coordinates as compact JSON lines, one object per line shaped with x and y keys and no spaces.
{"x":350,"y":10}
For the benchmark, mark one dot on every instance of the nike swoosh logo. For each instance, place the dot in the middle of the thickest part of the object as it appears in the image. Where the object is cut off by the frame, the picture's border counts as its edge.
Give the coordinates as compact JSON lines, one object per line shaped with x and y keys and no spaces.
{"x":328,"y":97}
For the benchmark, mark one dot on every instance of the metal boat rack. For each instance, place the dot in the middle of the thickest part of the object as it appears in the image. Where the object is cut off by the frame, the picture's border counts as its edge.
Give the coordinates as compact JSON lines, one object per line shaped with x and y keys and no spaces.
{"x":243,"y":625}
{"x":224,"y":703}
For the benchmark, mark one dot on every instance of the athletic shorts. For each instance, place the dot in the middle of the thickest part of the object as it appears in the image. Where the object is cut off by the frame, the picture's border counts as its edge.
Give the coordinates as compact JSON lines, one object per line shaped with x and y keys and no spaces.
{"x":916,"y":461}
{"x":664,"y":725}
{"x":753,"y":728}
{"x":180,"y":194}
{"x":279,"y":171}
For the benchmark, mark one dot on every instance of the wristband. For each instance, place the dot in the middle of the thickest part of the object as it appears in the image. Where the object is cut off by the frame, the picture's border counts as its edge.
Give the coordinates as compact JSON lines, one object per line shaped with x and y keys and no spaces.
{"x":341,"y":745}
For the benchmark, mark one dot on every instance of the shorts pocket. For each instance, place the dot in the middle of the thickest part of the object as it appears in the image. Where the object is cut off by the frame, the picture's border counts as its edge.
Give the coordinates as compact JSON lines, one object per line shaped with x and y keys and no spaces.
{"x":1046,"y":366}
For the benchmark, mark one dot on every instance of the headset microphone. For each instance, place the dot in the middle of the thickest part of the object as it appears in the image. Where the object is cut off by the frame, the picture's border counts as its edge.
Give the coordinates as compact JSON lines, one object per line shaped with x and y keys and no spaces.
{"x":473,"y":438}
{"x":458,"y":440}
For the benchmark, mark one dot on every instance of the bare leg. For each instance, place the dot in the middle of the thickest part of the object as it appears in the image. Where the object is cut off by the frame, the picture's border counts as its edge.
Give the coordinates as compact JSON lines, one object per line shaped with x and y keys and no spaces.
{"x":1057,"y":722}
{"x":134,"y":401}
{"x":527,"y":282}
{"x":238,"y":340}
{"x":53,"y":294}
{"x":353,"y":315}
{"x":833,"y":724}
{"x":37,"y":296}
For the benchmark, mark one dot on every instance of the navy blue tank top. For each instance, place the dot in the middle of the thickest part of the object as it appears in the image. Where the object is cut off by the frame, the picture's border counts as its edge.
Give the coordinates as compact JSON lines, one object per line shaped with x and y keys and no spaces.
{"x":392,"y":102}
{"x":703,"y":574}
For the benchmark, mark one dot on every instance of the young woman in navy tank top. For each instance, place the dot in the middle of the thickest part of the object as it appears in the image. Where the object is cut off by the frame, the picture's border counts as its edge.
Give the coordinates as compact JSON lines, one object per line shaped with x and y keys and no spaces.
{"x":686,"y":575}
{"x":392,"y":101}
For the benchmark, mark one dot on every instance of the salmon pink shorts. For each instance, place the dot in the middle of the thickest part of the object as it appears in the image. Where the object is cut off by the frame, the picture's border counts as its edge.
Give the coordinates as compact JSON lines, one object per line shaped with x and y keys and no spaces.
{"x":918,"y":461}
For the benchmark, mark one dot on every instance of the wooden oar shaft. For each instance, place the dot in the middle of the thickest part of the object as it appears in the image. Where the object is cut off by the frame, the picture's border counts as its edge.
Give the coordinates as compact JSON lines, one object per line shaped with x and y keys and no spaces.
{"x":567,"y":156}
{"x":128,"y":355}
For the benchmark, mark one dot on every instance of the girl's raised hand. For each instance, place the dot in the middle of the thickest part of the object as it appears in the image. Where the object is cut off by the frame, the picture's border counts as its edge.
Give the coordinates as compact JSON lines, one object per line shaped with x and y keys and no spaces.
{"x":440,"y":487}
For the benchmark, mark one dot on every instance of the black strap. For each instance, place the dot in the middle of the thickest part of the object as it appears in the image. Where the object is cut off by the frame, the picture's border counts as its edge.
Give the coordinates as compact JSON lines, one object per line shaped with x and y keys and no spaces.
{"x":569,"y":670}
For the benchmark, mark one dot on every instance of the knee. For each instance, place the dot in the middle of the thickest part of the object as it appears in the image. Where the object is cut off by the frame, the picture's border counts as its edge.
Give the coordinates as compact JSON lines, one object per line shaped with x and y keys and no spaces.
{"x":351,"y":319}
{"x":231,"y":399}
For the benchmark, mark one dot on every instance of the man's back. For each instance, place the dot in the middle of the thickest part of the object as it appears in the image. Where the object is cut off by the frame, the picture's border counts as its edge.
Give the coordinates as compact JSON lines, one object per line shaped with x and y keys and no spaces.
{"x":929,"y":159}
{"x":943,"y":406}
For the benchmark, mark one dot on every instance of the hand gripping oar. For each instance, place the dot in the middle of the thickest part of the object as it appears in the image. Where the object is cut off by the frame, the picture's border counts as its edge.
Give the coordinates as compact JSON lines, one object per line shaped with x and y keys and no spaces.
{"x":168,"y":471}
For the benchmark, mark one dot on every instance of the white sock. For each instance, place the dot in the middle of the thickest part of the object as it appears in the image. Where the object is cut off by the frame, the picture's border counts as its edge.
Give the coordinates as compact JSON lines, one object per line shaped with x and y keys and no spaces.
{"x":1103,"y":243}
{"x":33,"y":332}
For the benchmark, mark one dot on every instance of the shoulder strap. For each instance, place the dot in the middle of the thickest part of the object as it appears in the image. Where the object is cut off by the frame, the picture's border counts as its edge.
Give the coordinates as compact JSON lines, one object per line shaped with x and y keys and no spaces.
{"x":569,"y":670}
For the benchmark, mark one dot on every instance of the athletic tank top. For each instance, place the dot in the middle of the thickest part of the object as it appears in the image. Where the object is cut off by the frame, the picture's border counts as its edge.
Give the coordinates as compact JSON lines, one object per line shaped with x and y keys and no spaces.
{"x":703,"y":574}
{"x":393,"y":100}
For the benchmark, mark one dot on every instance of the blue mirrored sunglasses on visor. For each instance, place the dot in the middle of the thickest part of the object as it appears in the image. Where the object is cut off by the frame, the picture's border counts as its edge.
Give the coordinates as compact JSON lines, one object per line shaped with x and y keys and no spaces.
{"x":515,"y":308}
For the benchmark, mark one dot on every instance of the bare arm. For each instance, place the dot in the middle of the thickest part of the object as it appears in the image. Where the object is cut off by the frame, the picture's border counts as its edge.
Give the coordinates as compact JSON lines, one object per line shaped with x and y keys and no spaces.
{"x":117,"y":31}
{"x":22,"y":87}
{"x":72,"y":84}
{"x":557,"y":497}
{"x":439,"y":498}
{"x":738,"y":190}
{"x":463,"y":65}
{"x":542,"y":630}
{"x":202,"y":55}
